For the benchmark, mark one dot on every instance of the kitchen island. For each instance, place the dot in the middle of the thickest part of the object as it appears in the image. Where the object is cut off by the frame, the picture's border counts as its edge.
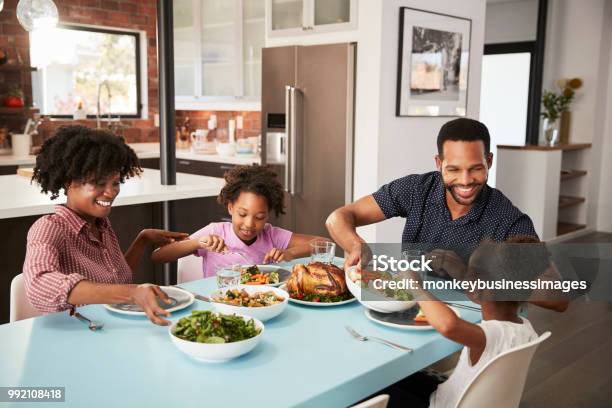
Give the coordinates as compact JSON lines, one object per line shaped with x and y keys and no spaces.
{"x":137,"y":207}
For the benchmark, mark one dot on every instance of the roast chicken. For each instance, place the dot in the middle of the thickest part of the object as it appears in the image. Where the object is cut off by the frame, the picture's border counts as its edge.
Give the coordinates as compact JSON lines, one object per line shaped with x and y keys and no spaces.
{"x":318,"y":279}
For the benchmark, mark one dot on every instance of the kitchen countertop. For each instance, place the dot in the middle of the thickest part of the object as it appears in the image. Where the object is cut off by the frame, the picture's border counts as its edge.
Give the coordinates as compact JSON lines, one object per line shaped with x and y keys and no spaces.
{"x":147,"y":151}
{"x":20,"y":198}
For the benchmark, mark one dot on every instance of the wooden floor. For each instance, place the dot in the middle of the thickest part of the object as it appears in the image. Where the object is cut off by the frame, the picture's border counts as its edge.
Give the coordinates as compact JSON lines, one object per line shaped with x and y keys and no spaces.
{"x":574,"y":367}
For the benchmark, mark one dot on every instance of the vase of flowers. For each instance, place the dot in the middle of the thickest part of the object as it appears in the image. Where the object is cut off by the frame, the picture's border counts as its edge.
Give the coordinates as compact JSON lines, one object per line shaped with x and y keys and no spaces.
{"x":556,"y":105}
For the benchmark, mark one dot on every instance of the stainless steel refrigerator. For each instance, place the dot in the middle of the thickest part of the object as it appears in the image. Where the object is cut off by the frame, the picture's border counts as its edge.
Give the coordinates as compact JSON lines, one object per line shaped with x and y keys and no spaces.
{"x":307,"y":129}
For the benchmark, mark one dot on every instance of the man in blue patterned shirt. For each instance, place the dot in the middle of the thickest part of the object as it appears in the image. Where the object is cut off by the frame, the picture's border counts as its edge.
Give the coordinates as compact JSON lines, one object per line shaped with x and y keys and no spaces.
{"x":450,"y":207}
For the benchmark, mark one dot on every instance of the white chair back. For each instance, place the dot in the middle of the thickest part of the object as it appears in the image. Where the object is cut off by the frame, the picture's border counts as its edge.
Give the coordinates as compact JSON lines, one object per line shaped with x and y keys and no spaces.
{"x":20,"y":305}
{"x":501,"y":381}
{"x":379,"y":401}
{"x":189,"y":268}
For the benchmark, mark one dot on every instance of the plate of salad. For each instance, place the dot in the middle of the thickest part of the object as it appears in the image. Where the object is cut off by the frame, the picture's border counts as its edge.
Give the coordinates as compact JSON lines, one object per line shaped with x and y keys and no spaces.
{"x":215,"y":337}
{"x":320,"y":300}
{"x":271,"y":275}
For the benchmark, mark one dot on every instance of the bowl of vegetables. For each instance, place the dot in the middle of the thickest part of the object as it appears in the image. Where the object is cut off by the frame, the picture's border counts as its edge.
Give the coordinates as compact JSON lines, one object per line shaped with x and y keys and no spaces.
{"x":214,"y":337}
{"x":361,"y":284}
{"x":260,"y":302}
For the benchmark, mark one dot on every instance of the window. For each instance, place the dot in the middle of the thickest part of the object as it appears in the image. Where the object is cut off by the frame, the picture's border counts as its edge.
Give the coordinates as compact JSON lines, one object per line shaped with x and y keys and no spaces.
{"x":504,"y":94}
{"x":86,"y":65}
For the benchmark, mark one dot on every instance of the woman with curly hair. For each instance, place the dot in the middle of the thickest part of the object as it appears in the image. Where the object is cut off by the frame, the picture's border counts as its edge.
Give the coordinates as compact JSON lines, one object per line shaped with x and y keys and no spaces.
{"x":250,"y":194}
{"x":73,"y":255}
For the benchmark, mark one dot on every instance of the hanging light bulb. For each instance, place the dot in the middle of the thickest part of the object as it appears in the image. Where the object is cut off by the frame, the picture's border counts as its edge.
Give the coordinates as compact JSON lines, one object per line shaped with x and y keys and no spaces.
{"x":1,"y":4}
{"x":36,"y":14}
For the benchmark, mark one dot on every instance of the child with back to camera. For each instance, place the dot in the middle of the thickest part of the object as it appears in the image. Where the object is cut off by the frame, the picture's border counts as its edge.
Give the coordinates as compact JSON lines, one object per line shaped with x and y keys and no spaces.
{"x":502,"y":328}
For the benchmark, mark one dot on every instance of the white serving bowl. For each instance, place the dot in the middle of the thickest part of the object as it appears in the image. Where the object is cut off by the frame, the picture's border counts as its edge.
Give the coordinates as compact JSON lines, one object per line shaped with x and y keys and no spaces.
{"x":213,"y":352}
{"x":384,"y":305}
{"x":226,"y":149}
{"x":260,"y":313}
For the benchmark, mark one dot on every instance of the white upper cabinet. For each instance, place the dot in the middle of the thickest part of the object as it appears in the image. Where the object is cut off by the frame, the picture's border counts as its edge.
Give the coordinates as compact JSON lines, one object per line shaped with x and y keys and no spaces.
{"x":217,"y":53}
{"x":288,"y":18}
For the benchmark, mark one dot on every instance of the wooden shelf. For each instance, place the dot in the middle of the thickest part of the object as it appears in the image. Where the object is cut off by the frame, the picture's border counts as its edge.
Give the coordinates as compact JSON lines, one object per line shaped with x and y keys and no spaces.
{"x":564,"y":147}
{"x":570,"y":174}
{"x":568,"y":201}
{"x":567,"y":227}
{"x":17,"y":111}
{"x":17,"y":68}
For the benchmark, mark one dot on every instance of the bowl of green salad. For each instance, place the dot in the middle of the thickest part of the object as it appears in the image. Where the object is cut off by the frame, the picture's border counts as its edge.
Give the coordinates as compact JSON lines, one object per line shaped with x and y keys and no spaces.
{"x":215,"y":337}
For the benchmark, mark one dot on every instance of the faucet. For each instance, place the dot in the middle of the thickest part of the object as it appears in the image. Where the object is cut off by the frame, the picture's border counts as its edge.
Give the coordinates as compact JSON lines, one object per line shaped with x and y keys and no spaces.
{"x":108,"y":93}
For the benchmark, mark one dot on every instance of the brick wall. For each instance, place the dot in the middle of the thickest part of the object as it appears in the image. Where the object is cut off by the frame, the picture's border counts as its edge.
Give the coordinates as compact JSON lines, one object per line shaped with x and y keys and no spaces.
{"x":132,"y":14}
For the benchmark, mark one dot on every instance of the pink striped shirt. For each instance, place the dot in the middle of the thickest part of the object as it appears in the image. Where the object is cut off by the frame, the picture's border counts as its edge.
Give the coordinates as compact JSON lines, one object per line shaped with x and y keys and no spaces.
{"x":61,"y":251}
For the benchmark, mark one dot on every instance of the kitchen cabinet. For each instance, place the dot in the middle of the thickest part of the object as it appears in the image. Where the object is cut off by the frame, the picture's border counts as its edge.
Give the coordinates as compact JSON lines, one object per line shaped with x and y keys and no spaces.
{"x":289,"y":18}
{"x":8,"y":170}
{"x":202,"y":168}
{"x":217,"y":53}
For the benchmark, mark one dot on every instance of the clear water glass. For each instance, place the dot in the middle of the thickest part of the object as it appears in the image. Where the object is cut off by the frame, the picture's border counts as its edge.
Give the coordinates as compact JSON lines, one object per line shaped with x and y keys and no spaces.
{"x":322,"y":251}
{"x":228,"y":275}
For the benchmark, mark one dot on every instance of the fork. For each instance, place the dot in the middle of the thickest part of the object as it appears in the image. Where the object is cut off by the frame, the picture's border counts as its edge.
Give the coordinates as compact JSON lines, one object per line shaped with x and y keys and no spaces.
{"x":239,"y":253}
{"x":377,"y":339}
{"x":93,"y":326}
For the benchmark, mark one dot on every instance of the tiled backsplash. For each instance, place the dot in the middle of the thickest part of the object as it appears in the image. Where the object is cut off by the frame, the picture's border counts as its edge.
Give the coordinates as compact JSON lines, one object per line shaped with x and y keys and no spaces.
{"x":143,"y":130}
{"x":199,"y":120}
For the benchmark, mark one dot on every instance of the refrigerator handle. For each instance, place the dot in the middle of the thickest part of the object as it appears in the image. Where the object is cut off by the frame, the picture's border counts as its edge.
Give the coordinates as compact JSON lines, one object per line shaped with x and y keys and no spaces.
{"x":288,"y":129}
{"x":294,"y":147}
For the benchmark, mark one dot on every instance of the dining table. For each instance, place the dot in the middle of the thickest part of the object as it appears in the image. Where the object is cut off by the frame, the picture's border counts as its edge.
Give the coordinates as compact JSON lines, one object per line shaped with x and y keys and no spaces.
{"x":306,"y":358}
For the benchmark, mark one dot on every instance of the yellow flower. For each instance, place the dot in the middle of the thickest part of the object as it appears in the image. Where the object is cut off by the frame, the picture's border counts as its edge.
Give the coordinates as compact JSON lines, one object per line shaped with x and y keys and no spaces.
{"x":574,"y":83}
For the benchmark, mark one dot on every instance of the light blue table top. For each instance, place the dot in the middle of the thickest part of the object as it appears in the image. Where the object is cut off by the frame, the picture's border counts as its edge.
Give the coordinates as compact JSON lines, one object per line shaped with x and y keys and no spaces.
{"x":306,"y":358}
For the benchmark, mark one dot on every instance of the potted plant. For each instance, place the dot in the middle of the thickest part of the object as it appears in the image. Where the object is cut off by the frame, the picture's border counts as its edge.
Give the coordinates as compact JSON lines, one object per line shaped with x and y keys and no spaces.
{"x":14,"y":98}
{"x":556,"y":105}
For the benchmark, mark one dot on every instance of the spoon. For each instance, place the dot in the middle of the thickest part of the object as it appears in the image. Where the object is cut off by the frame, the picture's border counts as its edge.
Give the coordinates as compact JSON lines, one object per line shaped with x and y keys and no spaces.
{"x":93,"y":325}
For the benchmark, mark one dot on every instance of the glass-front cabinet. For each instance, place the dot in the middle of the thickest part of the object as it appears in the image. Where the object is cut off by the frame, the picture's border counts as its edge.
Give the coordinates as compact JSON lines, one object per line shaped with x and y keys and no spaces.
{"x":296,"y":17}
{"x":217,"y":51}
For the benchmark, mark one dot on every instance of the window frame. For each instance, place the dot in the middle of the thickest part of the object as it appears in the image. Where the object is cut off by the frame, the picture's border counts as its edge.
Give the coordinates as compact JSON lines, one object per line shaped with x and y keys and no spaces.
{"x":137,"y":41}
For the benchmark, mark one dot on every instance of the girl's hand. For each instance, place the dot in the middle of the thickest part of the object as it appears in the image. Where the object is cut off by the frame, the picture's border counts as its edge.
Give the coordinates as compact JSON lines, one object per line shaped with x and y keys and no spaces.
{"x":159,"y":238}
{"x":276,"y":255}
{"x":213,"y":243}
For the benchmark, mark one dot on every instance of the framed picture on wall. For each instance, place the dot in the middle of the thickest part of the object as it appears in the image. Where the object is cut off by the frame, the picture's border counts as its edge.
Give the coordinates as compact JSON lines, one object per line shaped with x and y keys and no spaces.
{"x":433,"y":63}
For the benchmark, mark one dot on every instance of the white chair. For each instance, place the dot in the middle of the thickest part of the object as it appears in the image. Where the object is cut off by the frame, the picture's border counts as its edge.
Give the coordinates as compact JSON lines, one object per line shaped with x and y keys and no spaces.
{"x":189,"y":268}
{"x":379,"y":401}
{"x":20,"y":305}
{"x":501,"y":381}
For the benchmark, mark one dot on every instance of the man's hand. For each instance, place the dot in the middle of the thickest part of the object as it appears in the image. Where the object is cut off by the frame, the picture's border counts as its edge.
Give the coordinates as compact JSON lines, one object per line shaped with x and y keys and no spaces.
{"x":213,"y":243}
{"x":159,"y":238}
{"x":145,"y":296}
{"x":359,"y":255}
{"x":276,"y":255}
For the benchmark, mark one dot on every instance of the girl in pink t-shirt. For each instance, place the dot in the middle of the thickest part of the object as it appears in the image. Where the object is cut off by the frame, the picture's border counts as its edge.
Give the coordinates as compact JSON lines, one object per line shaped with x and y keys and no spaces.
{"x":250,"y":193}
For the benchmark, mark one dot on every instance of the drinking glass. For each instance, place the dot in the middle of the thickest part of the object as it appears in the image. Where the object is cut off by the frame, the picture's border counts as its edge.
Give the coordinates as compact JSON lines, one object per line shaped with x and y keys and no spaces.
{"x":228,"y":275}
{"x":322,"y":251}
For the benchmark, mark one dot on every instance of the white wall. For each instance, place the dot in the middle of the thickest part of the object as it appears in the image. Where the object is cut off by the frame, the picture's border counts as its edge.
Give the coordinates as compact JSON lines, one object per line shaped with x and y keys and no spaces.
{"x":604,"y":187}
{"x":386,"y":146}
{"x":578,"y":41}
{"x":511,"y":21}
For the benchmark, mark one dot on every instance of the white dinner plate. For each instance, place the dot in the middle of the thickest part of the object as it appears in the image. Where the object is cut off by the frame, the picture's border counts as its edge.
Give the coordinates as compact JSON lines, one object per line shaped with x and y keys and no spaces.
{"x":180,"y":300}
{"x":316,"y":304}
{"x":400,"y":320}
{"x":283,"y":273}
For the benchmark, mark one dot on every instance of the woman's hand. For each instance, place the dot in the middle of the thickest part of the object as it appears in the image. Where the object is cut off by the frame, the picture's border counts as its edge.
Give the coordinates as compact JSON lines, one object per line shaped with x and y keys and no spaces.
{"x":145,"y":296}
{"x":213,"y":243}
{"x":159,"y":238}
{"x":276,"y":255}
